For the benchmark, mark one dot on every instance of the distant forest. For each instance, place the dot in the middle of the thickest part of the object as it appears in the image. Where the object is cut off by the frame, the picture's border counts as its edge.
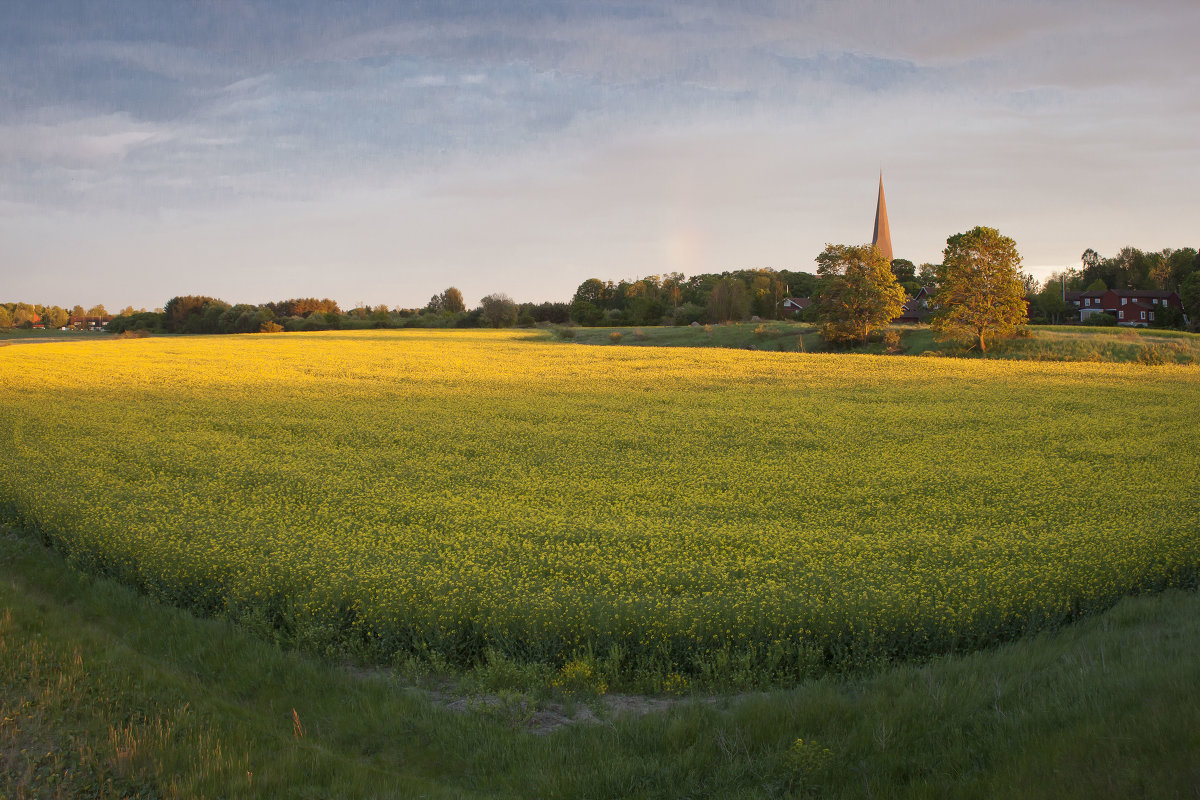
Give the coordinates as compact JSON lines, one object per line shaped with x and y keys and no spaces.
{"x":671,"y":299}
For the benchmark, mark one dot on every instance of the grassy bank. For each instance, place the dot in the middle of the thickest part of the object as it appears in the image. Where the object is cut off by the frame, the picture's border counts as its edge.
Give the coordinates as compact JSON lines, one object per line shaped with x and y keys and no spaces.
{"x":36,"y":336}
{"x":104,"y":693}
{"x":1045,"y":342}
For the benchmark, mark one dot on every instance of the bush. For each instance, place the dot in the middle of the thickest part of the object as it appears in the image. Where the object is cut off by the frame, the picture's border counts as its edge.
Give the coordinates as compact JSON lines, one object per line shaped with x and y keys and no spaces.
{"x":1168,"y":317}
{"x":270,"y":327}
{"x":688,"y":313}
{"x":565,"y":333}
{"x":891,"y":340}
{"x":1101,"y":320}
{"x":615,"y":337}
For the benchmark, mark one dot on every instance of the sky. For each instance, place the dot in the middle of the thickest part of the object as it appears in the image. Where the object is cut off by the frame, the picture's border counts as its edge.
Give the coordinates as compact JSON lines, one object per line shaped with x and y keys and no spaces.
{"x":379,"y":152}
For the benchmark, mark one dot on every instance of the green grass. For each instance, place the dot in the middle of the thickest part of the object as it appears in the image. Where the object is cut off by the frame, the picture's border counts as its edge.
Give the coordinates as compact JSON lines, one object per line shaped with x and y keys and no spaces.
{"x":787,"y":337}
{"x":104,"y":693}
{"x":35,"y":336}
{"x":1045,"y":342}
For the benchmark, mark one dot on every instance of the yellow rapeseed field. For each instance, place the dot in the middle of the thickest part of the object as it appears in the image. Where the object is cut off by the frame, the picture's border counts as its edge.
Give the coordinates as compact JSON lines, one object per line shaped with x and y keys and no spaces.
{"x":663,"y":510}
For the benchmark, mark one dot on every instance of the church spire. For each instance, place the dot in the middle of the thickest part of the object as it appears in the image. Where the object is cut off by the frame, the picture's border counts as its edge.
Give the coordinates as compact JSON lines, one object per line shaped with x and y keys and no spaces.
{"x":882,"y":239}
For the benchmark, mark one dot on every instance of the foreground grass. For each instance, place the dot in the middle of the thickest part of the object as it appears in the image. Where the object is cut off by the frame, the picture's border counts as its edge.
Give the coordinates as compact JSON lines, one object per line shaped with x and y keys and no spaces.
{"x":1045,"y":342}
{"x":104,"y":693}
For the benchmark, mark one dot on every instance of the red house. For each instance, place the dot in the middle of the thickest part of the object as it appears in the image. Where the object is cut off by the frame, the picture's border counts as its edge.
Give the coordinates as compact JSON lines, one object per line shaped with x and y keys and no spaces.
{"x":794,"y":305}
{"x":1129,"y":306}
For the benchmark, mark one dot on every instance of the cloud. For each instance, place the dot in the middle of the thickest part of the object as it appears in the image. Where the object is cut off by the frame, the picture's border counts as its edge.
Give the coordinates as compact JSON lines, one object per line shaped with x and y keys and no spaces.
{"x":78,"y":143}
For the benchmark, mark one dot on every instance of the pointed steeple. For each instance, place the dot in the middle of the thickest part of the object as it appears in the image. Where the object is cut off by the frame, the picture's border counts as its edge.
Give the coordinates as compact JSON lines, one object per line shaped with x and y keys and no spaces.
{"x":882,"y":239}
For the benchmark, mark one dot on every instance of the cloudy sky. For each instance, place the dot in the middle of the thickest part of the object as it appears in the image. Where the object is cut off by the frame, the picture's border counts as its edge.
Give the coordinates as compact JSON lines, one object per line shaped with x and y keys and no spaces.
{"x":380,"y":151}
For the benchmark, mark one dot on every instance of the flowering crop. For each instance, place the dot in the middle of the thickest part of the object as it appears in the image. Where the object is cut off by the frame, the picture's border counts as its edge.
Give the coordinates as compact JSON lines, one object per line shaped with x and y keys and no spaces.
{"x":680,"y":510}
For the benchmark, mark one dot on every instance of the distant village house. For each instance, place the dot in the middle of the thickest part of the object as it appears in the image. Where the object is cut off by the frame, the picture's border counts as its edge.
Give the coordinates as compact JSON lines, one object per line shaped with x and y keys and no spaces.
{"x":1129,"y":306}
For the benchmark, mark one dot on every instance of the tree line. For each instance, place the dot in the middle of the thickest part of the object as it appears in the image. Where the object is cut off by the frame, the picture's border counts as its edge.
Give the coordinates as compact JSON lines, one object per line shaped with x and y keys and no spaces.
{"x":202,"y":314}
{"x":672,"y":299}
{"x":26,"y":315}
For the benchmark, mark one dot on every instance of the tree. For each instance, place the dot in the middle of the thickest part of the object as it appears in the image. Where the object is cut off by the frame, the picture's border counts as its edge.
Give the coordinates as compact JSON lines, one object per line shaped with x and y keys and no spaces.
{"x":672,"y":288}
{"x":1184,"y":262}
{"x":904,"y":270}
{"x":1050,"y":300}
{"x":1097,"y":285}
{"x":858,"y":294}
{"x":586,"y":313}
{"x":97,"y":311}
{"x":1160,"y":268}
{"x":728,"y":300}
{"x":594,"y":291}
{"x":24,"y":315}
{"x":980,"y":292}
{"x":1030,"y":284}
{"x":183,"y":313}
{"x":6,"y":319}
{"x":927,"y":274}
{"x":55,"y":317}
{"x":498,"y":310}
{"x":452,"y":301}
{"x":1189,"y":293}
{"x":78,"y":311}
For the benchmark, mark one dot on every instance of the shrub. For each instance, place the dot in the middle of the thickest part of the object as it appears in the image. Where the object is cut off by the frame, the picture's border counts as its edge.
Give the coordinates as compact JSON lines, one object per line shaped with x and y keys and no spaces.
{"x":270,"y":327}
{"x":891,"y":340}
{"x":1101,"y":320}
{"x":615,"y":337}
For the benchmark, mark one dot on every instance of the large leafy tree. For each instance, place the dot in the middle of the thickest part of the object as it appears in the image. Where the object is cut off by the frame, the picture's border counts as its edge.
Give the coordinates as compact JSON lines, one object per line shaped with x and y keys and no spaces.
{"x":452,"y":301}
{"x":859,"y":292}
{"x":498,"y":310}
{"x":449,"y":301}
{"x":980,"y":293}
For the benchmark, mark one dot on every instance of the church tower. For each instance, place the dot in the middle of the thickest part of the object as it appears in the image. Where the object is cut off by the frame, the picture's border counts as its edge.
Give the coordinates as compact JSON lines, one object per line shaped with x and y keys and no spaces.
{"x":883,"y":235}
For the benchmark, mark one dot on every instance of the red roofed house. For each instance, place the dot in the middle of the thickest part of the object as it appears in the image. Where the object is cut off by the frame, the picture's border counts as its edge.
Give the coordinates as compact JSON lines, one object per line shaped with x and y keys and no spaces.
{"x":1129,"y":306}
{"x":916,"y":309}
{"x":794,"y":305}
